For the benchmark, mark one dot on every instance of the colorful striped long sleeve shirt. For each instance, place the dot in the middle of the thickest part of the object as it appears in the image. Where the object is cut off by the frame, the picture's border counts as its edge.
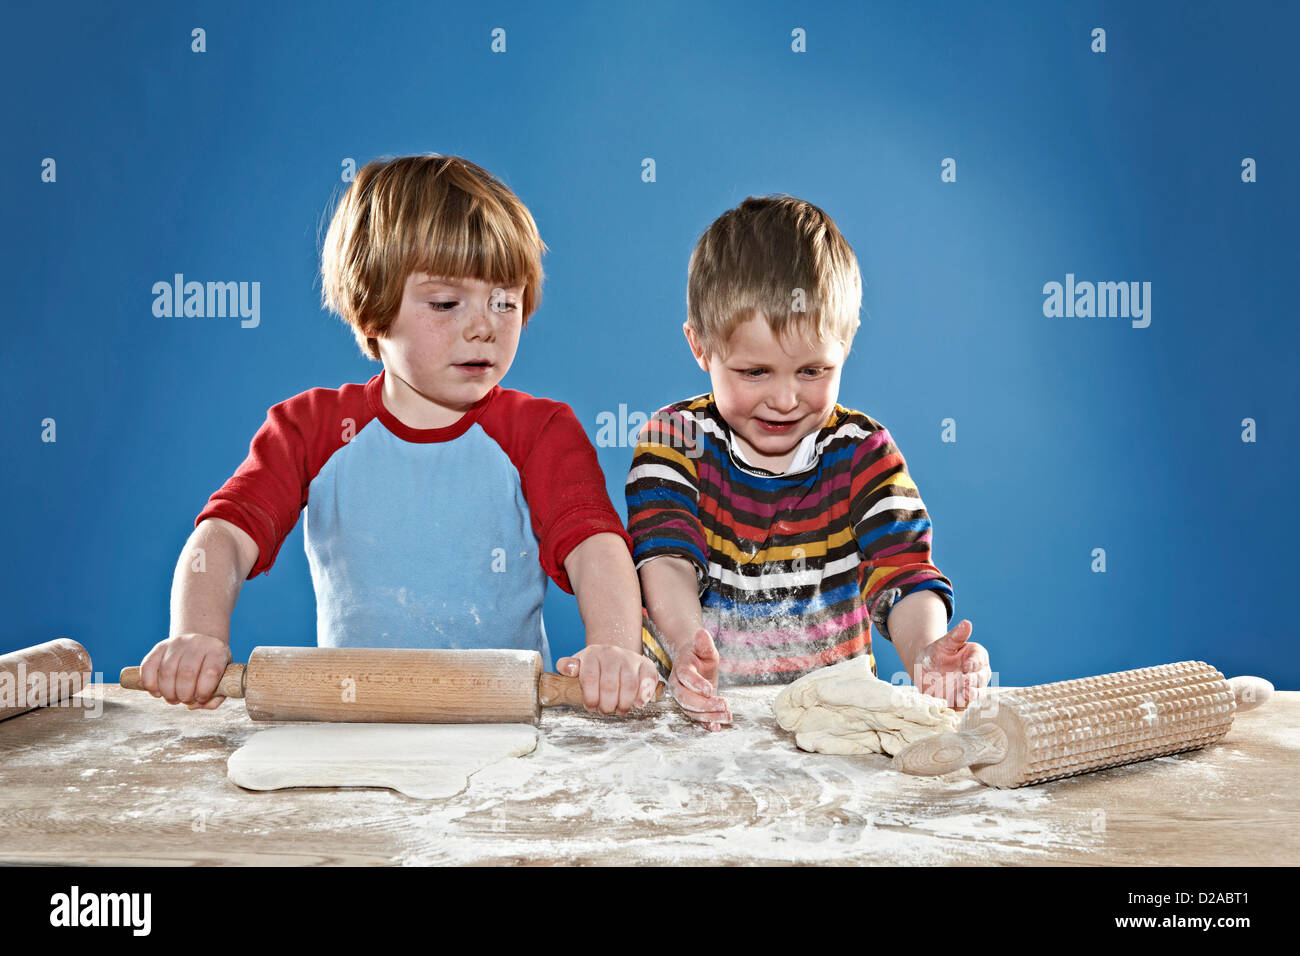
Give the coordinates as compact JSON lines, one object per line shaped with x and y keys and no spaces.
{"x":793,"y":568}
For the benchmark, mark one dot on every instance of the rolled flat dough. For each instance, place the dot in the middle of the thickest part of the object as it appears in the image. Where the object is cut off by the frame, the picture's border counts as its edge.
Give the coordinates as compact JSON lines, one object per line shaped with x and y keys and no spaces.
{"x":420,"y":760}
{"x":845,"y":709}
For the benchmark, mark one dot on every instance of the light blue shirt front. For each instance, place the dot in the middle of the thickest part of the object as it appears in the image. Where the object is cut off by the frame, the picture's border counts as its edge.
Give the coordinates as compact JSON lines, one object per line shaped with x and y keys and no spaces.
{"x":428,"y":544}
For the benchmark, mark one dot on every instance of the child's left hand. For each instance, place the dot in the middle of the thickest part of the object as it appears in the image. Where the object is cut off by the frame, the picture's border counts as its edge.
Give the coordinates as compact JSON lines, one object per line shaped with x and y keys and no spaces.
{"x":952,"y":668}
{"x":613,"y":680}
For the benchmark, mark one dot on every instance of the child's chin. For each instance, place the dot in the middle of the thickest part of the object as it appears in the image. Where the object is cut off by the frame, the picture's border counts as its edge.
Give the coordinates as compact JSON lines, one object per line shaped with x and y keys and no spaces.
{"x":774,"y":449}
{"x":481,"y":386}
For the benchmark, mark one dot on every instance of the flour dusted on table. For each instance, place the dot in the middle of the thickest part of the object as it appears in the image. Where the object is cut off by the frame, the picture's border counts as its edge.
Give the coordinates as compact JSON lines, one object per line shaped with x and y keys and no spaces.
{"x":845,"y":709}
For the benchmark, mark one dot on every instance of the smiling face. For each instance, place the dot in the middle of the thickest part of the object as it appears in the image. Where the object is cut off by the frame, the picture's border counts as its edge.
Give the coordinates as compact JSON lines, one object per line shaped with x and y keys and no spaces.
{"x":772,"y":392}
{"x":453,"y":340}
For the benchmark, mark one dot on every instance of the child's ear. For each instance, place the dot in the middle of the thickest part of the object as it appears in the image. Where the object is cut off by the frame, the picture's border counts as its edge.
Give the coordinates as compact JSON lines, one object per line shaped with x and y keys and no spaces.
{"x":696,"y":348}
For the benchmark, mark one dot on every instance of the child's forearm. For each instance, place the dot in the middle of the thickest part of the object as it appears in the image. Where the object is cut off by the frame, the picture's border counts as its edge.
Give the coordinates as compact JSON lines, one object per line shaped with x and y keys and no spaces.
{"x":916,"y":622}
{"x":672,"y":597}
{"x":609,"y":598}
{"x":207,"y":581}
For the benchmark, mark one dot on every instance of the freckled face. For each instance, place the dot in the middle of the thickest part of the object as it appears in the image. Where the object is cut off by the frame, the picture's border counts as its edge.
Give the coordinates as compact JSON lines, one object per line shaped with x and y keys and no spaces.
{"x":772,"y":392}
{"x":452,"y":341}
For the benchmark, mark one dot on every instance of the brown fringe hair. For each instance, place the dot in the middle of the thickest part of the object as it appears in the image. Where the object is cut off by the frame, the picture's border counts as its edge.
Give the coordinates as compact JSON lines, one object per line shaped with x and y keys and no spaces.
{"x":437,"y":214}
{"x":770,"y":255}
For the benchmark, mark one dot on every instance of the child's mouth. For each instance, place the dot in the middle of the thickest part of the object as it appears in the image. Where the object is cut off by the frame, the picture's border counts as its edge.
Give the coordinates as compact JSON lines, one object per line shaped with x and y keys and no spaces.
{"x":479,"y":367}
{"x":776,"y":428}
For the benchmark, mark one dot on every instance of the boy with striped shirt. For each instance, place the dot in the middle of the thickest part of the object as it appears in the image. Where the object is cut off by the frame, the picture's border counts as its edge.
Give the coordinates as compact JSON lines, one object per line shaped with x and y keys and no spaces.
{"x":772,"y":526}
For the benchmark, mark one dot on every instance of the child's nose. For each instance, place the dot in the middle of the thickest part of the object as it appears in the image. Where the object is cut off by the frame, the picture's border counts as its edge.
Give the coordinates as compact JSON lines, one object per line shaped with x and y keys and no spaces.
{"x":784,"y":397}
{"x":479,"y":323}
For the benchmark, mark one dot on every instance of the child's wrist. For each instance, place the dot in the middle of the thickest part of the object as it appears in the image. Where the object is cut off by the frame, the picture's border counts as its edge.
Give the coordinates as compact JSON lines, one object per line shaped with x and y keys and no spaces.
{"x":675,"y":645}
{"x":619,"y":639}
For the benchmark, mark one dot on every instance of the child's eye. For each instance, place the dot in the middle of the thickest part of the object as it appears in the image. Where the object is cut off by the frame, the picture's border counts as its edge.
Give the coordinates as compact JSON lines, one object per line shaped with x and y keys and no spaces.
{"x":752,"y":372}
{"x":443,"y":306}
{"x":503,"y":306}
{"x":813,"y":372}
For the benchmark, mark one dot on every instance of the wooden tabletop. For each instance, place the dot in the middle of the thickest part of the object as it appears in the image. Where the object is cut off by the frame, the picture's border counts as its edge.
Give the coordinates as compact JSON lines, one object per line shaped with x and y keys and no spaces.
{"x":124,"y":778}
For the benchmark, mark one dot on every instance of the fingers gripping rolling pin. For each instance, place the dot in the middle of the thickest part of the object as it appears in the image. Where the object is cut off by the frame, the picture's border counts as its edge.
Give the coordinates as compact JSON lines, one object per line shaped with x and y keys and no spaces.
{"x":1028,"y":735}
{"x":386,"y":685}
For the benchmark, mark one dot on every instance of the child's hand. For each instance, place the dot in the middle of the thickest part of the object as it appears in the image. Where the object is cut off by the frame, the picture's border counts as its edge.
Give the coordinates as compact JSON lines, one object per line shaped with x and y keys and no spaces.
{"x":953,"y":669}
{"x":694,"y":683}
{"x":613,"y":680}
{"x":186,"y":669}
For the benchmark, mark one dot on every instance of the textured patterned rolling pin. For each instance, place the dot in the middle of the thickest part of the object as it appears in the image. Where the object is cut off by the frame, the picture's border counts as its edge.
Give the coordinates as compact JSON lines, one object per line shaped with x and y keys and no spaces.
{"x":1027,"y":735}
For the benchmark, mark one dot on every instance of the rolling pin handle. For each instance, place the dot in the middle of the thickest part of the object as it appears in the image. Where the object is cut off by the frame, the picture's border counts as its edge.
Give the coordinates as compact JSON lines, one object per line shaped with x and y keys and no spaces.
{"x":232,"y":681}
{"x":944,"y":753}
{"x":556,"y":690}
{"x":1250,"y":692}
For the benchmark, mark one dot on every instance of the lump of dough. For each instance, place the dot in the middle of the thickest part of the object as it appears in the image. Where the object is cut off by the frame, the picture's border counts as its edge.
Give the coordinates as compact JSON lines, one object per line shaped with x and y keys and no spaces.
{"x":420,"y":760}
{"x":845,"y":709}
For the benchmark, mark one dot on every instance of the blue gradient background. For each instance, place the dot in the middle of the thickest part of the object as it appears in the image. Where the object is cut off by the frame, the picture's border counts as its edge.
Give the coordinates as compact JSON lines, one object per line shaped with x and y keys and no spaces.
{"x":1073,"y":434}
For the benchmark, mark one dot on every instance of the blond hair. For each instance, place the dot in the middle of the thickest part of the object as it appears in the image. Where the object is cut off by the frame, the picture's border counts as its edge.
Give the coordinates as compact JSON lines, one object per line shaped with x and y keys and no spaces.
{"x":778,"y":256}
{"x":437,"y":214}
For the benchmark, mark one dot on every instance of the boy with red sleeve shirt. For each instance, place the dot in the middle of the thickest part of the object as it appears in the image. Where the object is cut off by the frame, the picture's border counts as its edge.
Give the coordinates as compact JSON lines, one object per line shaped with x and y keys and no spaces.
{"x":437,"y":502}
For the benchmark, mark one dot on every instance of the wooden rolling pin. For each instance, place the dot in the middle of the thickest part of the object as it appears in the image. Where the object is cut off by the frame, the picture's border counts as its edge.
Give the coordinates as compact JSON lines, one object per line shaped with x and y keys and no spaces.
{"x":1026,"y":735}
{"x":42,"y":675}
{"x":389,"y":685}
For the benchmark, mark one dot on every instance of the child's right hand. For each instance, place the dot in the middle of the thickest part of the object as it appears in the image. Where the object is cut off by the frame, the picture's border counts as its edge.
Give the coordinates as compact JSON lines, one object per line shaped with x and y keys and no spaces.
{"x":693,"y":683}
{"x":186,"y":669}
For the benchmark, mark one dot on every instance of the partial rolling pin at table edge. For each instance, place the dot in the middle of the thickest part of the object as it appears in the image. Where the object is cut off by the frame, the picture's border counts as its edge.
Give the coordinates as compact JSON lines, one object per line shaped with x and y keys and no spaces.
{"x":944,"y":753}
{"x":61,"y":669}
